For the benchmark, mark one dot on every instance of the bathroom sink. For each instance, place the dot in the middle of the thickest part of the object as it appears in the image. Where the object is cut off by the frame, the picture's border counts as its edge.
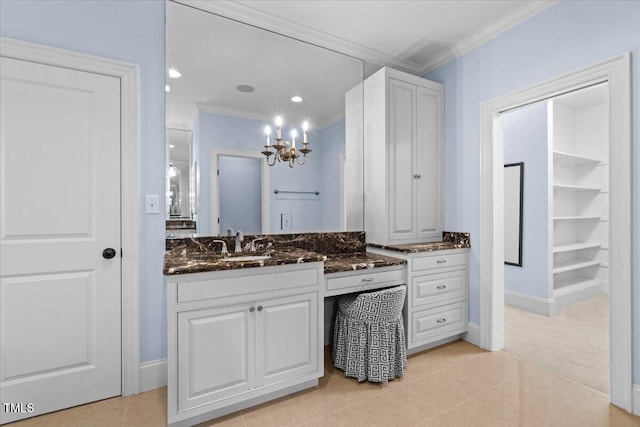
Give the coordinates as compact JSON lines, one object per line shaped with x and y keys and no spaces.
{"x":246,"y":258}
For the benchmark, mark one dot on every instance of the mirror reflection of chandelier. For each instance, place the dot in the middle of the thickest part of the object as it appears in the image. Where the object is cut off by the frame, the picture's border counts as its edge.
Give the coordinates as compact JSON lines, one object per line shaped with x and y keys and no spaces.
{"x":285,"y":151}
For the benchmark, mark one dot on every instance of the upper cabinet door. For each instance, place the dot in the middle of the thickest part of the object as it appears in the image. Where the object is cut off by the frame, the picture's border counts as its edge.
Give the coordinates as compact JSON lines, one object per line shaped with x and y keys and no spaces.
{"x":402,"y":141}
{"x":428,"y":163}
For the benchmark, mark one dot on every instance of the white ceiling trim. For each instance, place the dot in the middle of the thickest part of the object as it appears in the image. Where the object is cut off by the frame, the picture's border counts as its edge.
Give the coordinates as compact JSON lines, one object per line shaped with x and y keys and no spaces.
{"x":248,"y":15}
{"x":206,"y":107}
{"x":486,"y":34}
{"x":258,"y":18}
{"x":176,"y":125}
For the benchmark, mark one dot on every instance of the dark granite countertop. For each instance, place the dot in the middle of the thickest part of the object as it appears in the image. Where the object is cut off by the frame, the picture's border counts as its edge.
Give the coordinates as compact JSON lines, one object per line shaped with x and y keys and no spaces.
{"x":198,"y":262}
{"x":340,"y":251}
{"x":337,"y":263}
{"x":450,"y":240}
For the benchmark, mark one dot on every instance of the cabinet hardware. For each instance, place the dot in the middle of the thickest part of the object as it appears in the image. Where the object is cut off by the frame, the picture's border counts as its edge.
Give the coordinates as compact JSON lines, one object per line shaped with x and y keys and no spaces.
{"x":108,"y":253}
{"x":441,"y":320}
{"x":259,"y":308}
{"x":417,"y":176}
{"x":441,"y":287}
{"x":252,"y":309}
{"x":441,"y":261}
{"x":370,"y":279}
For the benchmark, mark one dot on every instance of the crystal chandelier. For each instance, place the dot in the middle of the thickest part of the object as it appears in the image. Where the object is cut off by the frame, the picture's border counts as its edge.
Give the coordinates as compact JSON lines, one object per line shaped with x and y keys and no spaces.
{"x":285,"y":151}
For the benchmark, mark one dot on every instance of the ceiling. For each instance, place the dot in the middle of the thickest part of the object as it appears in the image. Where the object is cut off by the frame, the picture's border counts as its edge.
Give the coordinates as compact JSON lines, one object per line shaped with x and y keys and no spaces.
{"x":413,"y":36}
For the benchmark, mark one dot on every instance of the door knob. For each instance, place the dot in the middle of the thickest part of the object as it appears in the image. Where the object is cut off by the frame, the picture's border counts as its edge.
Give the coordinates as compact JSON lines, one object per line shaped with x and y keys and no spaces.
{"x":109,"y":253}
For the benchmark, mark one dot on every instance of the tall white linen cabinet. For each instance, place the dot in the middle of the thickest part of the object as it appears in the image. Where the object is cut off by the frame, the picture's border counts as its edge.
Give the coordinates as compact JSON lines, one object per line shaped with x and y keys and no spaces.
{"x":403,"y":158}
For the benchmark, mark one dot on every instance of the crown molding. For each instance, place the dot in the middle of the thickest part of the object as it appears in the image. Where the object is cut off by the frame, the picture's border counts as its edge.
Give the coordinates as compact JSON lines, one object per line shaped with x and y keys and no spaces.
{"x":487,"y":33}
{"x":180,"y":126}
{"x":248,"y":15}
{"x":206,"y":107}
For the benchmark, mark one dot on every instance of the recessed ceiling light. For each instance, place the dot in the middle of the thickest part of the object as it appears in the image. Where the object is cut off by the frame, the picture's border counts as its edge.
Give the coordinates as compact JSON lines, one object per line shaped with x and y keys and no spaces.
{"x":245,"y":88}
{"x":167,"y":88}
{"x":173,"y":73}
{"x":296,"y":99}
{"x":172,"y":146}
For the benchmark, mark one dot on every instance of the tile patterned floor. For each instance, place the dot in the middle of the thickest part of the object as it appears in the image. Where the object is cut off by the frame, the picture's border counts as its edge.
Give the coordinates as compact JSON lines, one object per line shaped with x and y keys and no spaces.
{"x":454,"y":385}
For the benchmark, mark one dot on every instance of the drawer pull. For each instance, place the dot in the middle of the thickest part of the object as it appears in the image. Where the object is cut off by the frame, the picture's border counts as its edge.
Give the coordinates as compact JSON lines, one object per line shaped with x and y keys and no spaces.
{"x":441,"y":261}
{"x":368,"y":279}
{"x":441,"y":287}
{"x":441,"y":320}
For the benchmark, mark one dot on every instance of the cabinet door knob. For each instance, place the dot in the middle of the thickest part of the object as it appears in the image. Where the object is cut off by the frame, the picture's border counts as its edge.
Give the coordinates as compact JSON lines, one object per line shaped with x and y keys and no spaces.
{"x":441,"y":261}
{"x":418,"y":176}
{"x":259,"y":308}
{"x":441,"y":320}
{"x":441,"y":287}
{"x":369,"y":279}
{"x":252,"y":309}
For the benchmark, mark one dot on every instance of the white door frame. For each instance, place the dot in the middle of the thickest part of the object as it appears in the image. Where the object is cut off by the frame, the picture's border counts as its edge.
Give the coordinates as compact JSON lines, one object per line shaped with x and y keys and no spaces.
{"x":130,"y":211}
{"x":617,"y":71}
{"x":216,"y":152}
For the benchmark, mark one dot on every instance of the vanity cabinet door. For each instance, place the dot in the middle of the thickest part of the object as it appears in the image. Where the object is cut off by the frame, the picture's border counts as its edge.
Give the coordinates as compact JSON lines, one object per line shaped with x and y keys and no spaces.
{"x":428,"y":164}
{"x":287,"y":338}
{"x":402,"y":142}
{"x":216,"y":354}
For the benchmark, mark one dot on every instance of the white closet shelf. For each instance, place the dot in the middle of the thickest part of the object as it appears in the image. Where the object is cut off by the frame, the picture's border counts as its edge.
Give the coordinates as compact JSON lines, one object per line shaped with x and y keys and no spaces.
{"x":575,"y":188}
{"x":576,"y":218}
{"x":575,"y":247}
{"x":574,"y":284}
{"x":574,"y":158}
{"x":575,"y":264}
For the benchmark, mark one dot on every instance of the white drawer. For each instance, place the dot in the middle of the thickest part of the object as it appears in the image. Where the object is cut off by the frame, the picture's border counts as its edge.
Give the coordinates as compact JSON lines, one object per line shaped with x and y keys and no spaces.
{"x":434,"y":288}
{"x":247,"y":281}
{"x":438,"y":261}
{"x":439,"y":322}
{"x":365,"y":279}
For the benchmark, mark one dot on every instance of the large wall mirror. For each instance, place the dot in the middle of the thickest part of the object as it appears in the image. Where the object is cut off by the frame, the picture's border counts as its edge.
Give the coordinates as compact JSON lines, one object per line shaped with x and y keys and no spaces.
{"x":235,"y":79}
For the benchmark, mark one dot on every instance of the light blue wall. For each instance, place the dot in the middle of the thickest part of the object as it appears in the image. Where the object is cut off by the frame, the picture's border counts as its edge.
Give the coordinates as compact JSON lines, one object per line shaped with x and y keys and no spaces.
{"x":565,"y":37}
{"x":525,"y":140}
{"x":332,"y":139}
{"x":131,"y":31}
{"x":217,"y":130}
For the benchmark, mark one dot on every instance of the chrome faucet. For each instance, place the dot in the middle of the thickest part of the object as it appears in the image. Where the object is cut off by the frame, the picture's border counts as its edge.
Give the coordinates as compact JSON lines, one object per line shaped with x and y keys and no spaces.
{"x":224,"y":250}
{"x":239,"y":240}
{"x":252,"y":247}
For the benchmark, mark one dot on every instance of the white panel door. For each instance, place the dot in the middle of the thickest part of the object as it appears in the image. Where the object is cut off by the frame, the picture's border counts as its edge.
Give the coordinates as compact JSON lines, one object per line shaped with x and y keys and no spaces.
{"x":428,"y":164}
{"x":402,"y":137}
{"x":287,"y":338}
{"x":60,"y":331}
{"x":216,"y":354}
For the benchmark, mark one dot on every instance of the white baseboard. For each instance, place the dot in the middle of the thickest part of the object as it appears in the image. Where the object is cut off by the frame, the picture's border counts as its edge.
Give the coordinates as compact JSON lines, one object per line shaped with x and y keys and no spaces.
{"x":153,"y":375}
{"x":636,"y":399}
{"x":546,"y":307}
{"x":473,"y":334}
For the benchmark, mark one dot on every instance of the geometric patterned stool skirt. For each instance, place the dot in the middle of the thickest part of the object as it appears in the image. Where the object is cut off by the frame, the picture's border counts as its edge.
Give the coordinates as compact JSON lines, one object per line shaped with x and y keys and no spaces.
{"x":368,"y":339}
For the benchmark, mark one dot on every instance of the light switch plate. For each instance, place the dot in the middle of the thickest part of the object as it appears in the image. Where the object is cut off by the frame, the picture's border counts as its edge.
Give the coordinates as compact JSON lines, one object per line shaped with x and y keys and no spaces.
{"x":285,"y":221}
{"x":152,"y":204}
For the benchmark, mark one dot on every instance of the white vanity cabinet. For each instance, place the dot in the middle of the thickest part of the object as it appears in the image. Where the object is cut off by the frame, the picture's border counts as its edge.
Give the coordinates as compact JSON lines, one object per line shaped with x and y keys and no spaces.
{"x":437,"y":296}
{"x":403,"y":158}
{"x":240,"y":337}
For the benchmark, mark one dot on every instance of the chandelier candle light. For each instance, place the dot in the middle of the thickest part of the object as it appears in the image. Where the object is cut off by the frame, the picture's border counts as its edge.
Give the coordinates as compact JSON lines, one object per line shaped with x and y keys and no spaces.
{"x":285,"y":151}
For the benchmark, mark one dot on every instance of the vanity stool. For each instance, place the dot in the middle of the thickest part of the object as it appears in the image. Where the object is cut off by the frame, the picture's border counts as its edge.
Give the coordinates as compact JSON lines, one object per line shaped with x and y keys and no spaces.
{"x":368,"y":340}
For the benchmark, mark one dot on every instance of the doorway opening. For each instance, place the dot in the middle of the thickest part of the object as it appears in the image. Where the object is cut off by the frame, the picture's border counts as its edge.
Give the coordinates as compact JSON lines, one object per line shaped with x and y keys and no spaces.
{"x":240,"y":187}
{"x":617,"y":72}
{"x":557,"y":295}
